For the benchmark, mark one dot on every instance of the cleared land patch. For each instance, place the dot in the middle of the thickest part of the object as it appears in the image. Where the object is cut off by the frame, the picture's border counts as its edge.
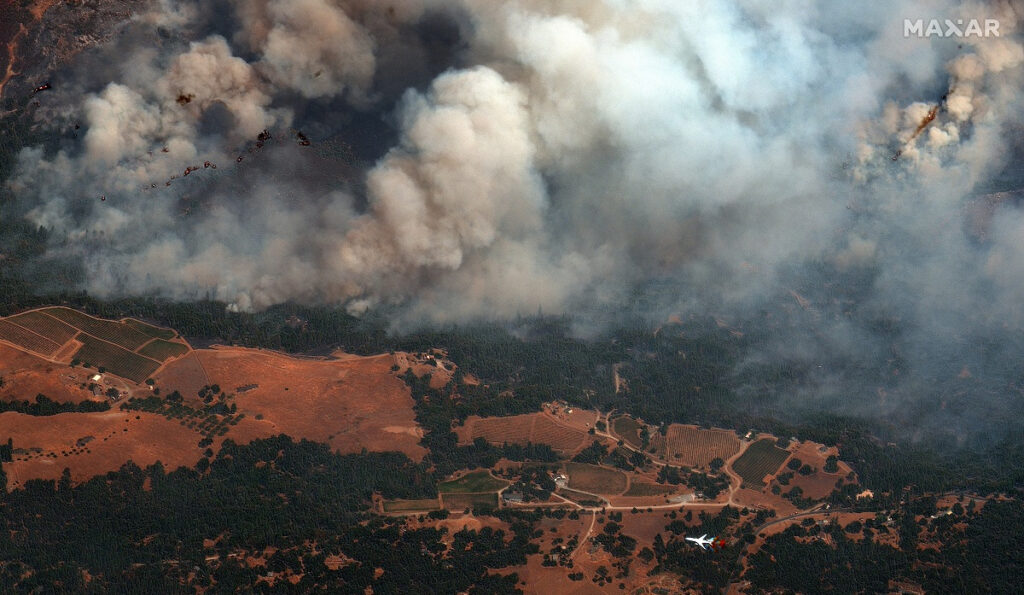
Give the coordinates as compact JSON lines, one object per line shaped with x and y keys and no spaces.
{"x":462,"y":501}
{"x":26,"y":374}
{"x":350,"y":404}
{"x":536,"y":428}
{"x":115,"y":332}
{"x":184,"y":374}
{"x":477,"y":481}
{"x":27,"y":339}
{"x":148,"y":329}
{"x":628,"y":429}
{"x":425,"y":505}
{"x":594,"y":479}
{"x":161,"y":350}
{"x":118,"y":361}
{"x":46,"y":445}
{"x":640,"y":488}
{"x":556,"y":436}
{"x":696,"y":447}
{"x":760,"y":459}
{"x":515,"y":429}
{"x":40,"y":323}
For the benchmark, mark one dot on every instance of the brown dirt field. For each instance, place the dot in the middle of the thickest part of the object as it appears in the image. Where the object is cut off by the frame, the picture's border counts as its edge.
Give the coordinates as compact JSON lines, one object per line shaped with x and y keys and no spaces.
{"x":640,"y":488}
{"x":455,"y":523}
{"x":462,"y":522}
{"x":514,"y":429}
{"x":12,"y":359}
{"x":745,"y":497}
{"x":628,"y":429}
{"x":26,"y":376}
{"x":588,"y":559}
{"x":559,"y":437}
{"x":117,"y":438}
{"x":694,"y":447}
{"x":462,"y":501}
{"x":406,"y":506}
{"x":538,"y":428}
{"x":542,"y":580}
{"x":185,"y":375}
{"x":817,"y":485}
{"x":596,"y":480}
{"x":351,"y":404}
{"x":644,"y":526}
{"x":812,"y":453}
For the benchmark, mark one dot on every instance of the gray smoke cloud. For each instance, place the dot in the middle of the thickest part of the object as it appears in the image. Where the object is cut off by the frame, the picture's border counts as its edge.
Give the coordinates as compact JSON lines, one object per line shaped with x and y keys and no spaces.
{"x":555,"y":154}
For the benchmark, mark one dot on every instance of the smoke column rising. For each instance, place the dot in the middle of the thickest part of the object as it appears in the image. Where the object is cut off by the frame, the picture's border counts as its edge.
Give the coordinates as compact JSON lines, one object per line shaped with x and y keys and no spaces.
{"x":548,"y":154}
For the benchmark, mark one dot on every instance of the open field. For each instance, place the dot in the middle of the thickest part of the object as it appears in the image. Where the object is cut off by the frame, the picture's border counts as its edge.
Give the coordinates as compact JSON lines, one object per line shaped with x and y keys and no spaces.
{"x":27,"y":339}
{"x":150,"y":330}
{"x":26,"y":375}
{"x":695,"y":447}
{"x":556,"y":436}
{"x":515,"y":429}
{"x":758,"y":497}
{"x":118,"y":361}
{"x":639,"y":488}
{"x":594,"y":479}
{"x":475,"y":481}
{"x":536,"y":428}
{"x":817,"y":485}
{"x":44,"y":446}
{"x":462,"y":501}
{"x":185,"y":375}
{"x":760,"y":459}
{"x":425,"y":505}
{"x":115,"y":332}
{"x":350,"y":404}
{"x":43,"y":324}
{"x":161,"y":350}
{"x":628,"y":429}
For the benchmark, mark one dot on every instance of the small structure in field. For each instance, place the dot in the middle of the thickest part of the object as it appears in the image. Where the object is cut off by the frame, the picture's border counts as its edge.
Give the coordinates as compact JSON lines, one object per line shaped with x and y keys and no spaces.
{"x":512,"y":497}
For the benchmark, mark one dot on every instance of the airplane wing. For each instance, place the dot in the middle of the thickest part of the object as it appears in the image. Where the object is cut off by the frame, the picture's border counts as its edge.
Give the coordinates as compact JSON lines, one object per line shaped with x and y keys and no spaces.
{"x":703,"y":537}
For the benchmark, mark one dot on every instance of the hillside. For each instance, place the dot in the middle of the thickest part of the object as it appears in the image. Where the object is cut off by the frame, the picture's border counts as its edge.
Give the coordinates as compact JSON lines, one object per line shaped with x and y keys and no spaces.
{"x":407,"y":448}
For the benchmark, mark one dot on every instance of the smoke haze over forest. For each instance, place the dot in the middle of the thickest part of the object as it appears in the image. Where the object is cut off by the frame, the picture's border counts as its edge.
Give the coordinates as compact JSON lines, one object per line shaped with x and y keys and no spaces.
{"x":472,"y":159}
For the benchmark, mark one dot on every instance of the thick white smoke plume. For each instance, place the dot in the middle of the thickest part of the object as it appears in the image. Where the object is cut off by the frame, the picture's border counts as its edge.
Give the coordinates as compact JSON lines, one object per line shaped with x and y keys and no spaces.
{"x":558,"y":153}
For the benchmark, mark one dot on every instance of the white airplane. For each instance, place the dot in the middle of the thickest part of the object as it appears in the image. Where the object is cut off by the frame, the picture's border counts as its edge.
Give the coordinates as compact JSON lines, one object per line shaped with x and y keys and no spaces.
{"x":702,"y":541}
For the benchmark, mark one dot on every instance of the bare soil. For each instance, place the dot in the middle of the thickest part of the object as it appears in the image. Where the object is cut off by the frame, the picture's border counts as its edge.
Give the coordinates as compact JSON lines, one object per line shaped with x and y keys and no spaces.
{"x":25,"y":376}
{"x":44,"y":446}
{"x":351,"y":403}
{"x":185,"y":375}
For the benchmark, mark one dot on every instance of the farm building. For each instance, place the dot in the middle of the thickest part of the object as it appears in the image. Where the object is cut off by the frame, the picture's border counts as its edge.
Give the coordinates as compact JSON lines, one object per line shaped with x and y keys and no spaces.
{"x":514,"y":497}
